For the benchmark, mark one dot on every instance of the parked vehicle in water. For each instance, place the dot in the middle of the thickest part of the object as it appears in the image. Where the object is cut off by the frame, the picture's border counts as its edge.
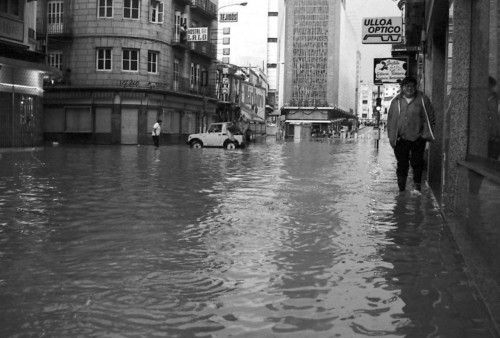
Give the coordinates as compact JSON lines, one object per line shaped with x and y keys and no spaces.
{"x":223,"y":134}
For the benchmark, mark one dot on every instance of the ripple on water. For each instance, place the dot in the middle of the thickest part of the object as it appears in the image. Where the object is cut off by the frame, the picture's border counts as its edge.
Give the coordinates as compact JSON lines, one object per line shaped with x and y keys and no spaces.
{"x":292,"y":239}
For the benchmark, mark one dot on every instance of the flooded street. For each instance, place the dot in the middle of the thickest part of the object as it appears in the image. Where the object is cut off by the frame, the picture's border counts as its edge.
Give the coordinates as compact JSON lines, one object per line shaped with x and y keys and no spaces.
{"x":305,"y":239}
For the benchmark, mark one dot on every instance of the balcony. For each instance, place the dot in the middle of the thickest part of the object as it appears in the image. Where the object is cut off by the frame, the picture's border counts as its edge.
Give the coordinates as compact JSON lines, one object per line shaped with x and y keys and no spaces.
{"x":183,"y":2}
{"x":205,"y":7}
{"x":183,"y":85}
{"x":203,"y":48}
{"x":179,"y":43}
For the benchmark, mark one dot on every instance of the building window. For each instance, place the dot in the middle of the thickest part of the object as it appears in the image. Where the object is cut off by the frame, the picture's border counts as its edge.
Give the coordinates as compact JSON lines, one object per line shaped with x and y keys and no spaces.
{"x":204,"y":77}
{"x":226,"y":30}
{"x":226,"y":51}
{"x":153,"y":62}
{"x":12,"y":7}
{"x":225,"y":59}
{"x":272,"y":65}
{"x":131,"y":9}
{"x":103,"y":59}
{"x":156,"y":15}
{"x":176,"y":73}
{"x":272,"y":39}
{"x":365,"y":101}
{"x":55,"y":17}
{"x":105,"y":9}
{"x":78,"y":120}
{"x":55,"y":59}
{"x":226,"y":40}
{"x":130,"y":60}
{"x":272,"y":13}
{"x":191,"y":81}
{"x":197,"y":77}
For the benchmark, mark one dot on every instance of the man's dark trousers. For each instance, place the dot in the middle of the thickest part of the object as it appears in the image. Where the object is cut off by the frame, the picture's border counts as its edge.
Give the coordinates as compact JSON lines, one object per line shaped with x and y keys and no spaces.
{"x":409,"y":152}
{"x":156,"y":140}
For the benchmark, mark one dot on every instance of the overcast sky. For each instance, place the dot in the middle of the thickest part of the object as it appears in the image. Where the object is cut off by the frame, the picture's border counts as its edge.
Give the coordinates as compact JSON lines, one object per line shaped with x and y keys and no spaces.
{"x":359,"y":9}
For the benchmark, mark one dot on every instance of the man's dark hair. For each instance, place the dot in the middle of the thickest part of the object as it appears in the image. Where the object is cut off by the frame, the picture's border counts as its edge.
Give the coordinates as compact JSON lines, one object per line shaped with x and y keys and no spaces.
{"x":409,"y":80}
{"x":159,"y":121}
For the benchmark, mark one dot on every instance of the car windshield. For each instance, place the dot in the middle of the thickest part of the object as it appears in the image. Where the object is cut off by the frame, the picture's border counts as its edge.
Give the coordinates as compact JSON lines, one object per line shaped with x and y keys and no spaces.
{"x":215,"y":128}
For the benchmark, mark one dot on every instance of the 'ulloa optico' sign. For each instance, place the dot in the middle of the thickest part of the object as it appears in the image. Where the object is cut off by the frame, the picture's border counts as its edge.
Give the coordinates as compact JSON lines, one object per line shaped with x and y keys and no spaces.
{"x":382,"y":30}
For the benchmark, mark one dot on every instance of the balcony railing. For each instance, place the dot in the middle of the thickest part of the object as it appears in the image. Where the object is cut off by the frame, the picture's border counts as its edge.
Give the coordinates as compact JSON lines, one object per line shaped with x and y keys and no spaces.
{"x":184,"y":85}
{"x":206,"y":7}
{"x":204,"y":48}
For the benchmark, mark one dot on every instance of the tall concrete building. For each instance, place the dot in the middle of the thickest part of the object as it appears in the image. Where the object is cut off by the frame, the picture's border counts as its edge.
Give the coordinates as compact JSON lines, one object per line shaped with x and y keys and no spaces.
{"x":321,"y":64}
{"x":248,"y":36}
{"x":21,"y":75}
{"x":126,"y":63}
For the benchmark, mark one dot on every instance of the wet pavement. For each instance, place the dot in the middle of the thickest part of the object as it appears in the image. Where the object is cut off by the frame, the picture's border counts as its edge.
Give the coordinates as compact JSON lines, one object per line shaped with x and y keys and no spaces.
{"x":286,"y":239}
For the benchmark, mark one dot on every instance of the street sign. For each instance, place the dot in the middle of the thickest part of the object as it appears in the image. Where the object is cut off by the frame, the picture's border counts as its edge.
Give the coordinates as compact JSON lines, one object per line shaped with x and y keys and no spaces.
{"x":389,"y":70}
{"x":387,"y":30}
{"x":197,"y":34}
{"x":228,"y":17}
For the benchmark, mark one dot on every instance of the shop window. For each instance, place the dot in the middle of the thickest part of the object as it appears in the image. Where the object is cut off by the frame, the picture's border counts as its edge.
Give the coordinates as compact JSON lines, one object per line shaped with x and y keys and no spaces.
{"x":131,"y":9}
{"x":156,"y":11}
{"x":27,"y":110}
{"x":153,"y":62}
{"x":130,"y":60}
{"x":103,"y":59}
{"x":78,"y":120}
{"x":53,"y":120}
{"x":105,"y":9}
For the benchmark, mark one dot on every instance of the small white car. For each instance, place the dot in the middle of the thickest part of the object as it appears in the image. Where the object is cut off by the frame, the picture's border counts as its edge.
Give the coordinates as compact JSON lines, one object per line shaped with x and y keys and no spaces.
{"x":224,"y":134}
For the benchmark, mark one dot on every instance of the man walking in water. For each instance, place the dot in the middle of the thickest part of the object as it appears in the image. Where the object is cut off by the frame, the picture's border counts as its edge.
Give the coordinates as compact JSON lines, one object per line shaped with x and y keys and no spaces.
{"x":409,"y":126}
{"x":156,"y":133}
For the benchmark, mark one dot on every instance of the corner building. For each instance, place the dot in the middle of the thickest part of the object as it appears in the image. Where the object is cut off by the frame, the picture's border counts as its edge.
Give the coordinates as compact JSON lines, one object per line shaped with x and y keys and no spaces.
{"x":321,"y":58}
{"x":125,"y":63}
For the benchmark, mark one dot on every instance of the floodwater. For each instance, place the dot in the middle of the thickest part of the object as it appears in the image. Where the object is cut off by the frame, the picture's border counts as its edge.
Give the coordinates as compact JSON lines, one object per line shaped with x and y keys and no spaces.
{"x":280,"y":239}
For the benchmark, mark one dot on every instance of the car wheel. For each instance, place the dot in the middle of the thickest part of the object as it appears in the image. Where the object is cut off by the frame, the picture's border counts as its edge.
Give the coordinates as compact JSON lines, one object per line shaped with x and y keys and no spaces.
{"x":230,"y":145}
{"x":196,"y":144}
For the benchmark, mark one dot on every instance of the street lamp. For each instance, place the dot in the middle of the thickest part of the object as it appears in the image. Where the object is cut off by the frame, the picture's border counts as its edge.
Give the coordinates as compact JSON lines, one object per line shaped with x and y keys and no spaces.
{"x":238,"y":4}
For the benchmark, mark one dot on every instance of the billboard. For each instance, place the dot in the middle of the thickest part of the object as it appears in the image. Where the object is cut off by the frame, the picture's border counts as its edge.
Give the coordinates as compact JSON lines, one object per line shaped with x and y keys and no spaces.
{"x":228,"y":17}
{"x":389,"y":70}
{"x":197,"y":34}
{"x":386,"y":30}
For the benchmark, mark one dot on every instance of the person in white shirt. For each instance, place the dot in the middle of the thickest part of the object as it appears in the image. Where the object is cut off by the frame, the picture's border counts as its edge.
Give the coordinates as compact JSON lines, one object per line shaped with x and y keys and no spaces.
{"x":156,"y":133}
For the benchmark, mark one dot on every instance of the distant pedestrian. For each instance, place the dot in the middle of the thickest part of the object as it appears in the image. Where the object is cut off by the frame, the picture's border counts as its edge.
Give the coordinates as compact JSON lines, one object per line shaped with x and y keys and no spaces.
{"x":156,"y":133}
{"x":409,"y":126}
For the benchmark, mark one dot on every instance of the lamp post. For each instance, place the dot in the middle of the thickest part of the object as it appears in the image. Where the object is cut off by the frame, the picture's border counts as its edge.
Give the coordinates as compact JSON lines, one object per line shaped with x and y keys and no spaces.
{"x":236,"y":4}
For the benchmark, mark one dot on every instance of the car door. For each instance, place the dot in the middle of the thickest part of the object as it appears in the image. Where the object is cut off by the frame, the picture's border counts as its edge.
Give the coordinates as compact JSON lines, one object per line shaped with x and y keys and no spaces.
{"x":213,"y":135}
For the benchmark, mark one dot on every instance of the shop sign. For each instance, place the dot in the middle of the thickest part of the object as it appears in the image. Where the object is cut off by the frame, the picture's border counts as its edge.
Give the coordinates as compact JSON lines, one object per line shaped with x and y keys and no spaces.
{"x":197,"y":34}
{"x":389,"y":70}
{"x":11,"y":29}
{"x":387,"y":30}
{"x":228,"y":17}
{"x":143,"y":84}
{"x":225,"y":85}
{"x":253,"y":99}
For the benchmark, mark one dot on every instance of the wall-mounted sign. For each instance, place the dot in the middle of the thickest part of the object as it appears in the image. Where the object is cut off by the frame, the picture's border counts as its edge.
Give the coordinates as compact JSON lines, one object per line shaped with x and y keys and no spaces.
{"x":228,"y":17}
{"x":11,"y":29}
{"x":382,"y":30}
{"x":389,"y":70}
{"x":197,"y":34}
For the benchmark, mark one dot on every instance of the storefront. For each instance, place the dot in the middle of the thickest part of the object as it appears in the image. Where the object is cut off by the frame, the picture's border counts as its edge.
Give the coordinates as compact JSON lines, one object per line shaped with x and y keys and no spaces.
{"x":21,"y":92}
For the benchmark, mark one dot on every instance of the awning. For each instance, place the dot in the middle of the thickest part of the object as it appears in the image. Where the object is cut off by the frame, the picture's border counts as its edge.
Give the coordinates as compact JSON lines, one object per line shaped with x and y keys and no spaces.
{"x":20,"y":64}
{"x":250,"y":116}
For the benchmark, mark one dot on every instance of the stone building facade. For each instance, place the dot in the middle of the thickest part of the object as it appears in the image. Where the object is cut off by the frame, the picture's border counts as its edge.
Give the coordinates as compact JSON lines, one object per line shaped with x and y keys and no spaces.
{"x":457,"y":65}
{"x":124,"y":64}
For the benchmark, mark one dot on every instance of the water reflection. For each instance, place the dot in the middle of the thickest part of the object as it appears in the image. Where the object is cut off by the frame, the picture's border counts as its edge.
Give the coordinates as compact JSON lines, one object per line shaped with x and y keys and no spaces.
{"x":294,"y":239}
